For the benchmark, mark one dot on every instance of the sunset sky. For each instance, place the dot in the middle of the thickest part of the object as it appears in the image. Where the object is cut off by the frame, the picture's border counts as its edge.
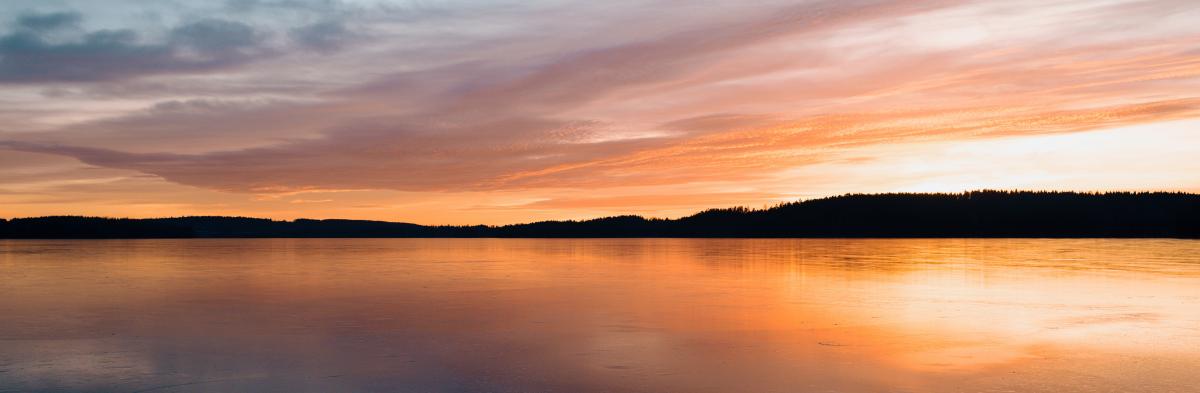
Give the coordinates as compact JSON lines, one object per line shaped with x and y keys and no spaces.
{"x":481,"y":111}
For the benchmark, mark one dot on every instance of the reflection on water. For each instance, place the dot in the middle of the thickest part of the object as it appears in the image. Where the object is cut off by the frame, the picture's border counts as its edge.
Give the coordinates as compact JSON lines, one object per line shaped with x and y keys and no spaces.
{"x":428,"y":315}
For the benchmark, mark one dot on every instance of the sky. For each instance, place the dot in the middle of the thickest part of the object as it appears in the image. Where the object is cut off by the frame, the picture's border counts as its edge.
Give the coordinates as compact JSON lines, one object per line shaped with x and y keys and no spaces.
{"x":496,"y":111}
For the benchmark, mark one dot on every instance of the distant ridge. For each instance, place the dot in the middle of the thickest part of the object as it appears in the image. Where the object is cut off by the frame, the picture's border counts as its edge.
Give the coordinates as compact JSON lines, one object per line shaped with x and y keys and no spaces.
{"x":970,"y":214}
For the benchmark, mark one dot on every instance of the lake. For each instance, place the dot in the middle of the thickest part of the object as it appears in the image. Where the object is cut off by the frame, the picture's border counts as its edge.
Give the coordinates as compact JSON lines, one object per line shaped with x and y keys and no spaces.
{"x":636,"y":315}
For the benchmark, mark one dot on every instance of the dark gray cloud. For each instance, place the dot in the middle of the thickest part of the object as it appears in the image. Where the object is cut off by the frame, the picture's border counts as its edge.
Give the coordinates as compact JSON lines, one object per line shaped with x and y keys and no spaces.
{"x":49,"y":21}
{"x":99,"y":55}
{"x":217,"y":37}
{"x":325,"y":36}
{"x":82,"y":44}
{"x":27,"y":56}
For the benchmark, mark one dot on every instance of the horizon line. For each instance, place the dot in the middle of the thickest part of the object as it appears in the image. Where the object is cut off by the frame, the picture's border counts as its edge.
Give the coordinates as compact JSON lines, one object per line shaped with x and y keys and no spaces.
{"x":743,"y":208}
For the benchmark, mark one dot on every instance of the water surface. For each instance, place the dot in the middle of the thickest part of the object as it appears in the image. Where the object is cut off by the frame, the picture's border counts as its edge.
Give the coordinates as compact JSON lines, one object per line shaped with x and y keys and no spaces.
{"x":649,"y":315}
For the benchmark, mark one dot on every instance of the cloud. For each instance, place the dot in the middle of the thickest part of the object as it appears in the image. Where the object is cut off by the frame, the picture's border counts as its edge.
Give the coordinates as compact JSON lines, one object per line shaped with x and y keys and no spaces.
{"x":516,"y":101}
{"x":582,"y":76}
{"x":416,"y":156}
{"x":114,"y":54}
{"x":184,"y":38}
{"x":546,"y":153}
{"x":49,"y":21}
{"x":324,"y":36}
{"x":216,"y":38}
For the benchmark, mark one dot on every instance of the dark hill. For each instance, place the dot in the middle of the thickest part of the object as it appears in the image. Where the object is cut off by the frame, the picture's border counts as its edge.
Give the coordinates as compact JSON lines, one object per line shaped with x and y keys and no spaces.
{"x":970,"y":214}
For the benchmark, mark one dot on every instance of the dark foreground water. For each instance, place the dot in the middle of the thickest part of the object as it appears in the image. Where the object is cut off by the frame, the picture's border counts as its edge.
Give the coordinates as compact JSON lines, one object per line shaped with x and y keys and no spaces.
{"x":488,"y":315}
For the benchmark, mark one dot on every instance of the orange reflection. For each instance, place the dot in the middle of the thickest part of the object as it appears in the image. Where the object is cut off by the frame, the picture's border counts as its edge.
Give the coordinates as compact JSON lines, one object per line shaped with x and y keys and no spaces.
{"x":618,"y":314}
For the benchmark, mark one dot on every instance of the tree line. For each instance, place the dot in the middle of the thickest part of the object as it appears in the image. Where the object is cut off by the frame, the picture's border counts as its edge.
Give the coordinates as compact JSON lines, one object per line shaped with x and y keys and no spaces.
{"x":986,"y":213}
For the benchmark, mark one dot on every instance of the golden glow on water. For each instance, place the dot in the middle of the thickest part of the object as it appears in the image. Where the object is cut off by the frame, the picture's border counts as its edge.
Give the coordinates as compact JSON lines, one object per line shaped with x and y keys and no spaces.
{"x":945,"y":315}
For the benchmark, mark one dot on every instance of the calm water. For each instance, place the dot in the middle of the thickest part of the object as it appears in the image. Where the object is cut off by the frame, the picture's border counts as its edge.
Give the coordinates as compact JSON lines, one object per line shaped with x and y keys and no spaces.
{"x":651,"y":315}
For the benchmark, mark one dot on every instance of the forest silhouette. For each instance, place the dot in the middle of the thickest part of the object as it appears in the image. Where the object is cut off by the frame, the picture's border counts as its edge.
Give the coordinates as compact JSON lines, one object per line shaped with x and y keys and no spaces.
{"x":984,"y":213}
